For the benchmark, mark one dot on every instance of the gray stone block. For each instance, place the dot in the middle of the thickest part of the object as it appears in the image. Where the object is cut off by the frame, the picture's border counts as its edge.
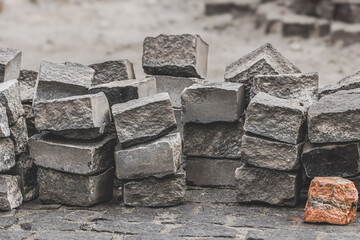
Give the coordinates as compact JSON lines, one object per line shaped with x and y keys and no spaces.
{"x":346,"y":11}
{"x":30,"y":119}
{"x":218,"y":139}
{"x":10,"y":64}
{"x":74,"y":117}
{"x":7,"y":154}
{"x":111,"y":71}
{"x":27,"y":82}
{"x":298,"y":26}
{"x":157,"y":158}
{"x":211,"y":172}
{"x":153,"y":116}
{"x":268,"y":186}
{"x":270,"y":154}
{"x":4,"y":123}
{"x":19,"y":136}
{"x":346,"y":34}
{"x":10,"y":193}
{"x":72,"y":156}
{"x":175,"y":55}
{"x":10,"y":99}
{"x":180,"y":125}
{"x":265,"y":60}
{"x":74,"y":189}
{"x":276,"y":118}
{"x":349,"y":83}
{"x":212,"y":102}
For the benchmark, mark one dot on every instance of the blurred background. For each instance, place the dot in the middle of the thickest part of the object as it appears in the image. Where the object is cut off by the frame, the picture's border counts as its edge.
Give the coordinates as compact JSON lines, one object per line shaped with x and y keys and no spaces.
{"x":316,"y":35}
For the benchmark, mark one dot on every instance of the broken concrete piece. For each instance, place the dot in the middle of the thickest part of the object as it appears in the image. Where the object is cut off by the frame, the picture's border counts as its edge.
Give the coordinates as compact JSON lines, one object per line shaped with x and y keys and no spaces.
{"x":10,"y":64}
{"x":10,"y":193}
{"x":175,"y":55}
{"x":19,"y":136}
{"x":349,"y":83}
{"x":212,"y":102}
{"x":7,"y":155}
{"x":10,"y":99}
{"x":27,"y":82}
{"x":4,"y":123}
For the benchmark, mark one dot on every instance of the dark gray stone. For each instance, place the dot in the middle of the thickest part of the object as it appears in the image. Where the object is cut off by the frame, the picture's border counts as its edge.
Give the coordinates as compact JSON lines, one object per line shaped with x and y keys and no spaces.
{"x":7,"y":154}
{"x":204,"y":230}
{"x":27,"y":82}
{"x":180,"y":125}
{"x":10,"y":193}
{"x":281,"y":235}
{"x":14,"y":235}
{"x":4,"y":123}
{"x":10,"y":64}
{"x":73,"y":236}
{"x":298,"y":26}
{"x":347,"y":11}
{"x":19,"y":136}
{"x":30,"y":120}
{"x":210,"y":195}
{"x":347,"y":34}
{"x":121,"y":227}
{"x":349,"y":83}
{"x":10,"y":99}
{"x":237,"y":8}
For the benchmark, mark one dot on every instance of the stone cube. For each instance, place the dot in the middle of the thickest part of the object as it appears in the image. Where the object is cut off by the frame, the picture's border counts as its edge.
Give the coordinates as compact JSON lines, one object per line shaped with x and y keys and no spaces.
{"x":4,"y":123}
{"x":7,"y":154}
{"x":10,"y":64}
{"x":143,"y":119}
{"x":10,"y":193}
{"x":212,"y":102}
{"x":10,"y":99}
{"x":19,"y":136}
{"x":349,"y":83}
{"x":175,"y":55}
{"x":27,"y":83}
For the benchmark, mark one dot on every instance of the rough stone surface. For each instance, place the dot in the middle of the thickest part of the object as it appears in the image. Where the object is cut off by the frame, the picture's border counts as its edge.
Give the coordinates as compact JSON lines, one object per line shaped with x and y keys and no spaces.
{"x":299,"y":26}
{"x":153,"y":116}
{"x":266,"y":185}
{"x":10,"y":63}
{"x":19,"y":136}
{"x":175,"y":55}
{"x":30,"y":119}
{"x":218,"y":140}
{"x":72,"y":156}
{"x":126,"y":90}
{"x":347,"y":34}
{"x":27,"y":82}
{"x":180,"y":125}
{"x":111,"y":71}
{"x":270,"y":154}
{"x":10,"y":193}
{"x":10,"y":99}
{"x":276,"y":118}
{"x":331,"y":200}
{"x":331,"y":160}
{"x":4,"y":123}
{"x":302,"y":87}
{"x":211,"y":172}
{"x":265,"y":60}
{"x":348,"y":83}
{"x":212,"y":102}
{"x":7,"y":154}
{"x":158,"y":158}
{"x":78,"y":116}
{"x":73,"y":189}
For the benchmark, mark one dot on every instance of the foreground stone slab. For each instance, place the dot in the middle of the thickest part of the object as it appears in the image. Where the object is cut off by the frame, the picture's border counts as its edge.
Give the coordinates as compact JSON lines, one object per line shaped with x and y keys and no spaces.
{"x":82,"y":117}
{"x":74,"y":189}
{"x":72,"y":156}
{"x":349,"y":83}
{"x":217,"y":140}
{"x":266,"y":185}
{"x":10,"y":193}
{"x":301,"y":87}
{"x":19,"y":136}
{"x":111,"y":71}
{"x":331,"y":200}
{"x":4,"y":123}
{"x":276,"y":118}
{"x":10,"y":64}
{"x":175,"y":55}
{"x":10,"y":99}
{"x":211,"y":172}
{"x":27,"y":83}
{"x":270,"y":154}
{"x":158,"y":158}
{"x":153,"y":115}
{"x":7,"y":155}
{"x":212,"y":102}
{"x":126,"y":90}
{"x":265,"y":60}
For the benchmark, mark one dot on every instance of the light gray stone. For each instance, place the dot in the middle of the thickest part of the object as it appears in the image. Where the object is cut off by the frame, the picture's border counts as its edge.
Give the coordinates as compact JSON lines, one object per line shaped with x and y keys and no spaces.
{"x":7,"y":154}
{"x":27,"y":82}
{"x":175,"y":55}
{"x":19,"y":136}
{"x":349,"y":83}
{"x":111,"y":71}
{"x":218,"y":139}
{"x":72,"y":156}
{"x":270,"y":154}
{"x":4,"y":123}
{"x":10,"y":99}
{"x":10,"y":193}
{"x":158,"y":158}
{"x":212,"y":102}
{"x":74,"y":117}
{"x":276,"y":118}
{"x":143,"y":119}
{"x":74,"y":189}
{"x":10,"y":64}
{"x":211,"y":172}
{"x":266,"y":185}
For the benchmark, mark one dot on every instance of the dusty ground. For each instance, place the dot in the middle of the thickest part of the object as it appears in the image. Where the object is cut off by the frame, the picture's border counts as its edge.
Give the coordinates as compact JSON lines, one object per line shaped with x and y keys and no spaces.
{"x":87,"y":31}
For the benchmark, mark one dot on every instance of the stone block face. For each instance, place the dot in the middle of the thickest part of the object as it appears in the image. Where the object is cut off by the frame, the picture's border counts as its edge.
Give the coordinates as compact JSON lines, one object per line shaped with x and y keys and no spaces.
{"x":175,"y":86}
{"x":74,"y":189}
{"x":211,"y":172}
{"x":10,"y":193}
{"x":61,"y":80}
{"x":180,"y":125}
{"x":347,"y":34}
{"x":155,"y":192}
{"x":329,"y":160}
{"x":349,"y":83}
{"x":301,"y":87}
{"x":111,"y":71}
{"x":217,"y":140}
{"x":331,"y":200}
{"x":175,"y":55}
{"x":157,"y":158}
{"x":72,"y":156}
{"x":10,"y":64}
{"x":27,"y":82}
{"x":347,"y":12}
{"x":4,"y":123}
{"x":126,"y":90}
{"x":19,"y":136}
{"x":7,"y":154}
{"x":215,"y":7}
{"x":276,"y":118}
{"x":267,"y":185}
{"x":298,"y":26}
{"x":212,"y":102}
{"x":265,"y":153}
{"x":153,"y":115}
{"x":10,"y":99}
{"x":72,"y":115}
